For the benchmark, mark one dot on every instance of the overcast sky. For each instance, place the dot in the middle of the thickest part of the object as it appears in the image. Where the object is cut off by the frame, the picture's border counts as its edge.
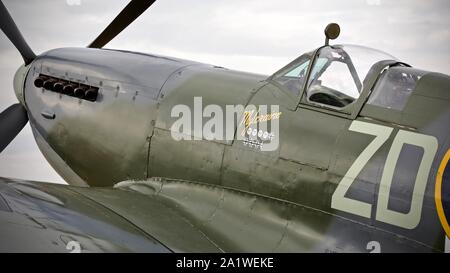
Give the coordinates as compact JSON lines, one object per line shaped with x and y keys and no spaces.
{"x":250,"y":35}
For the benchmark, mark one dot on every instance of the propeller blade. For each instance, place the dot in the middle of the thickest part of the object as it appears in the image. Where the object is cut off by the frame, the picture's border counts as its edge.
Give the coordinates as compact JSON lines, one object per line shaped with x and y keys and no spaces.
{"x":12,"y":32}
{"x":12,"y":120}
{"x":132,"y":11}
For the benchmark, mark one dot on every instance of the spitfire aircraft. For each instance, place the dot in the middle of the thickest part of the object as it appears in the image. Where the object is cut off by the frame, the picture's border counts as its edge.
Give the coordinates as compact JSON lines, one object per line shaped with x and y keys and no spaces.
{"x":359,"y":161}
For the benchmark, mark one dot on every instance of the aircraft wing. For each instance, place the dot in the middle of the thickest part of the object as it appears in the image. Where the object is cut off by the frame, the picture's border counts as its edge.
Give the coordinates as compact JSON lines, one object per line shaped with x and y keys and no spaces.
{"x":168,"y":215}
{"x":43,"y":217}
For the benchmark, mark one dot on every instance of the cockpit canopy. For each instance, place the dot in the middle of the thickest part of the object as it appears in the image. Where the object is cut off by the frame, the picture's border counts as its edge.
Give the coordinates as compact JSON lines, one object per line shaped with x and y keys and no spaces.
{"x":336,"y":77}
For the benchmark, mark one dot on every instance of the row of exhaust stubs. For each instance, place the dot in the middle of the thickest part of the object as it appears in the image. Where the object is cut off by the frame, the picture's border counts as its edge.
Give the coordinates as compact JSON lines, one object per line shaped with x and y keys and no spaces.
{"x":78,"y":90}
